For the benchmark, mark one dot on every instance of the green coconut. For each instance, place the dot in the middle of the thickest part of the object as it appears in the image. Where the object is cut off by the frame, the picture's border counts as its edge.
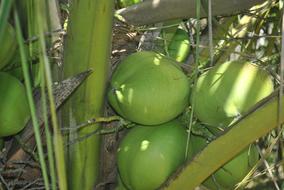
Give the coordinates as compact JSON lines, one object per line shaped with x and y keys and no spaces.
{"x":8,"y":46}
{"x":148,"y":88}
{"x":232,"y":173}
{"x":179,"y":46}
{"x":13,"y":105}
{"x":228,"y":90}
{"x":148,"y":155}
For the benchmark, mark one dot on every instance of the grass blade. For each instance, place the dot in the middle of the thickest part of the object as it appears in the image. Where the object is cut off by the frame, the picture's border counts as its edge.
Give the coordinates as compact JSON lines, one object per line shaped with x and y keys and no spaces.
{"x":57,"y":137}
{"x":28,"y":85}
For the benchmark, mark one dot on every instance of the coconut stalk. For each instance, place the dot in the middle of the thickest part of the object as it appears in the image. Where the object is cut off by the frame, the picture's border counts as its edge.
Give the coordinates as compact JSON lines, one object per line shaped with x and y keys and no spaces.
{"x":88,"y":46}
{"x":259,"y":121}
{"x":159,"y":11}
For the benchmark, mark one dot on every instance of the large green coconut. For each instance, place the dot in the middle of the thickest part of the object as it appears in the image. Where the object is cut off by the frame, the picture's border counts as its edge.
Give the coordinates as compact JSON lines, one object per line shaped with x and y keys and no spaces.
{"x":8,"y":45}
{"x":228,"y":90}
{"x":148,"y":155}
{"x":14,"y":107}
{"x":148,"y":88}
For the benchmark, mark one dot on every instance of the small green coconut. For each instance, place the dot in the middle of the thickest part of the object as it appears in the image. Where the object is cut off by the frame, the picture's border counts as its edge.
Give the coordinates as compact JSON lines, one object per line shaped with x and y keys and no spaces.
{"x":8,"y":46}
{"x":228,"y":90}
{"x":233,"y":172}
{"x":179,"y":46}
{"x":148,"y":88}
{"x":14,"y":107}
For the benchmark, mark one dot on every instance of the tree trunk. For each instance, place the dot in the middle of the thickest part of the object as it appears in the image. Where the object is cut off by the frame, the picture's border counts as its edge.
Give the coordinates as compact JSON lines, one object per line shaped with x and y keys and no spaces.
{"x":88,"y":46}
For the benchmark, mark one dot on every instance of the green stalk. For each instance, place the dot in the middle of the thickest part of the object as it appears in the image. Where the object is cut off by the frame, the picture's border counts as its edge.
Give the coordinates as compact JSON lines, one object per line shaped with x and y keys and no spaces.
{"x":88,"y":46}
{"x":34,"y":32}
{"x":48,"y":134}
{"x":197,"y":50}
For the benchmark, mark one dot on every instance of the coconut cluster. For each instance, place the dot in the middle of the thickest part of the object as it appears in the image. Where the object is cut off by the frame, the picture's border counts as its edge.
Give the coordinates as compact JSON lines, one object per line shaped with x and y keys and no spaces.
{"x":151,"y":90}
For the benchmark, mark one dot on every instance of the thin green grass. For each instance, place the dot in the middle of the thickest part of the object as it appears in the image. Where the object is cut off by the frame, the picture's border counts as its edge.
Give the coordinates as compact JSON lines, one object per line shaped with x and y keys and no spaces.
{"x":57,"y":138}
{"x":49,"y":144}
{"x":31,"y":102}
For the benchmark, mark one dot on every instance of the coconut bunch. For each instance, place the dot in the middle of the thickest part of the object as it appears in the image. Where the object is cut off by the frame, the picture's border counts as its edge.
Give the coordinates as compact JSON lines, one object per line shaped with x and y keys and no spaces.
{"x":151,"y":90}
